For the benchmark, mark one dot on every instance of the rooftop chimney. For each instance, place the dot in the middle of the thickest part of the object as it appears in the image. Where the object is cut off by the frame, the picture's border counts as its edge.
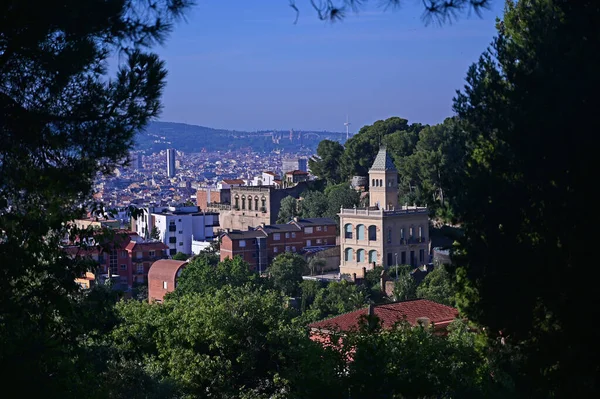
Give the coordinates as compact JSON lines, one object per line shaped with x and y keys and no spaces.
{"x":371,"y":310}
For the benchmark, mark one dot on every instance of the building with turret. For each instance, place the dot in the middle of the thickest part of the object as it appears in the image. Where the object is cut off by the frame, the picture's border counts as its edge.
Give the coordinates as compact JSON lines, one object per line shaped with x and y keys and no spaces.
{"x":383,"y":233}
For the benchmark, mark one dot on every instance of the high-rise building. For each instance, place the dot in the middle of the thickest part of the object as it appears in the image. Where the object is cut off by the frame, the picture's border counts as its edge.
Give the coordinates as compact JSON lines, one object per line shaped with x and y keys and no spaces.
{"x":171,"y":162}
{"x":138,"y":161}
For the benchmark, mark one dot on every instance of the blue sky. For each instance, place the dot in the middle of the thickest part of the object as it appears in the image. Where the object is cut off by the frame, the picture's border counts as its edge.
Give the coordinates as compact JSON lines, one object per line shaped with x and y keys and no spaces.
{"x":240,"y":64}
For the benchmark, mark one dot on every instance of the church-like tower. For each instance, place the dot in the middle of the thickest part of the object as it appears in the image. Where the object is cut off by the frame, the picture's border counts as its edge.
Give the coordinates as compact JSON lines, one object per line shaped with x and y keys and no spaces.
{"x":383,"y":180}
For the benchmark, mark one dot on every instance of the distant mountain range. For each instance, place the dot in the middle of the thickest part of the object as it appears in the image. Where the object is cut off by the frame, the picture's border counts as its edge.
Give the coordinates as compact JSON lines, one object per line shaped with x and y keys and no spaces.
{"x":192,"y":138}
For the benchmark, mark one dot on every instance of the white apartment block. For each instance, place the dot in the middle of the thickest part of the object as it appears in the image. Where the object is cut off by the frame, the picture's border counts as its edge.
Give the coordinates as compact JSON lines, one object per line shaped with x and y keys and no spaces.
{"x":177,"y":227}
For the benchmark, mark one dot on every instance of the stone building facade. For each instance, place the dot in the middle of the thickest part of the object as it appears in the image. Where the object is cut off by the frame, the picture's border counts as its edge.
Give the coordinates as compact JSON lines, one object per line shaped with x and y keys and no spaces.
{"x":250,"y":206}
{"x":383,"y":233}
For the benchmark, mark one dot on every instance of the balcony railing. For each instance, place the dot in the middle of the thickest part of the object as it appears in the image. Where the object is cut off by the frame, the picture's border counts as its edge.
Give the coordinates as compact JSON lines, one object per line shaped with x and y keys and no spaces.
{"x":382,"y":212}
{"x":412,"y":240}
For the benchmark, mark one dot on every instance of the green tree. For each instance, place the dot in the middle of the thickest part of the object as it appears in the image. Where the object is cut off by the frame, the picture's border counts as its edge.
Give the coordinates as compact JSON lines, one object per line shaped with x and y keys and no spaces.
{"x":313,"y":204}
{"x":337,"y":298}
{"x":63,"y":119}
{"x":435,"y":10}
{"x":412,"y":362}
{"x":405,"y":287}
{"x":326,"y":164}
{"x":438,"y":156}
{"x":340,"y":196}
{"x":155,"y":234}
{"x":316,"y":265}
{"x":180,"y":256}
{"x":528,"y":108}
{"x":362,"y":148}
{"x":438,"y":286}
{"x":288,"y":209}
{"x":309,"y":289}
{"x":231,"y":343}
{"x":201,"y":276}
{"x":286,"y":272}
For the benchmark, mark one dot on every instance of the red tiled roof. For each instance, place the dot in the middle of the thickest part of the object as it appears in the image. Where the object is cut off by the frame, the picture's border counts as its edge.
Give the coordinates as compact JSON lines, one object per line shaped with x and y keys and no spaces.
{"x":148,"y":246}
{"x":233,"y":181}
{"x":391,"y":313}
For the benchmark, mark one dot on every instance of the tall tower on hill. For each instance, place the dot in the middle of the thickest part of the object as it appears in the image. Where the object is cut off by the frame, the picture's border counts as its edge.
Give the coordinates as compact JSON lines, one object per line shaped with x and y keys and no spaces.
{"x":171,"y":162}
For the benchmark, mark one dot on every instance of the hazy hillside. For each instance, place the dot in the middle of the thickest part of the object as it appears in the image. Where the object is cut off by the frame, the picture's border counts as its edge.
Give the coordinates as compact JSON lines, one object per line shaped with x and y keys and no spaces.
{"x":192,"y":138}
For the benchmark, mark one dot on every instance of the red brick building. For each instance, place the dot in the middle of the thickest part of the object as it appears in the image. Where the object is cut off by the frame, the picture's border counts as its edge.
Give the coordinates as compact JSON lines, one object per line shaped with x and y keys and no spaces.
{"x":261,"y":245}
{"x":162,"y":278}
{"x":142,"y":255}
{"x":127,"y":255}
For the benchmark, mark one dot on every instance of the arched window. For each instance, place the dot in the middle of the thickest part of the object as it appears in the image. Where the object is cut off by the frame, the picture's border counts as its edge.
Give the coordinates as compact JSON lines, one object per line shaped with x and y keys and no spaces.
{"x":373,"y":256}
{"x":420,"y":231}
{"x":360,"y":232}
{"x":243,"y":202}
{"x":389,"y":236}
{"x":360,"y":255}
{"x":389,"y":182}
{"x":263,"y":201}
{"x":256,"y":203}
{"x":372,"y":182}
{"x":249,"y":203}
{"x":380,"y":182}
{"x":348,"y":230}
{"x":372,"y":233}
{"x":348,"y":254}
{"x":237,"y":202}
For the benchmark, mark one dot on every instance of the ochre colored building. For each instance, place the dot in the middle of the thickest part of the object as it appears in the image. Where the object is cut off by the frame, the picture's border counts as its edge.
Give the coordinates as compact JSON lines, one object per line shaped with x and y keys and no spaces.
{"x":384,"y":233}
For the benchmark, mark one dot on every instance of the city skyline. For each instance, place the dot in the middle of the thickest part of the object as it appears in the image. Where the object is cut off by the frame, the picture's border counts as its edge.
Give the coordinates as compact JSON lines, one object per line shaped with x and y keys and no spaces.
{"x":248,"y":67}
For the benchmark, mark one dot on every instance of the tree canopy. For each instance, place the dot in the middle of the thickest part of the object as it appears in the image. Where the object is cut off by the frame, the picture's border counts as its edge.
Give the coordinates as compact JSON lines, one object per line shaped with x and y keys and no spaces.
{"x":64,"y":119}
{"x":528,"y":109}
{"x":286,"y":272}
{"x":288,"y":209}
{"x":326,"y":164}
{"x":203,"y":276}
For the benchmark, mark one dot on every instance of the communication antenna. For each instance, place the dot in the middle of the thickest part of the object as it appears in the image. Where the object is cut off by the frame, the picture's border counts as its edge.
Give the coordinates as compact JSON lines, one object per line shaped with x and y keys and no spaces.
{"x":347,"y":124}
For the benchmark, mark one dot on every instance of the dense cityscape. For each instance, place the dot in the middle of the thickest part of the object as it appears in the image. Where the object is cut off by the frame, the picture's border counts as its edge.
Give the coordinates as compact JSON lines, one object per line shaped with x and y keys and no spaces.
{"x":314,"y":242}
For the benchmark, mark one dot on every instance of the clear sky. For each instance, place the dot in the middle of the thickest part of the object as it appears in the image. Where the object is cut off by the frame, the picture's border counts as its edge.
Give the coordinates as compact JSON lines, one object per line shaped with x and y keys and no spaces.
{"x":243,"y":64}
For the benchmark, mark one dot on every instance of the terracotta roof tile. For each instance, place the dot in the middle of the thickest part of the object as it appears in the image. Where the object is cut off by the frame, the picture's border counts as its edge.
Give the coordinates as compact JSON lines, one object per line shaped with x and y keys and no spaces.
{"x":233,"y":181}
{"x":391,"y":313}
{"x":296,"y":172}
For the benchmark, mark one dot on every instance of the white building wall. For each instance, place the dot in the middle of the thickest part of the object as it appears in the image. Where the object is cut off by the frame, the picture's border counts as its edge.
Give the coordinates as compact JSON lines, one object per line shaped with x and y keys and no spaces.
{"x":187,"y":227}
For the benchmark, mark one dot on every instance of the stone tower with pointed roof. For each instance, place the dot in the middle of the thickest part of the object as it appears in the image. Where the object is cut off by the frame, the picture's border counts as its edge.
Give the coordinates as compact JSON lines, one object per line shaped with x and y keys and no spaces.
{"x":383,"y":177}
{"x":383,"y":234}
